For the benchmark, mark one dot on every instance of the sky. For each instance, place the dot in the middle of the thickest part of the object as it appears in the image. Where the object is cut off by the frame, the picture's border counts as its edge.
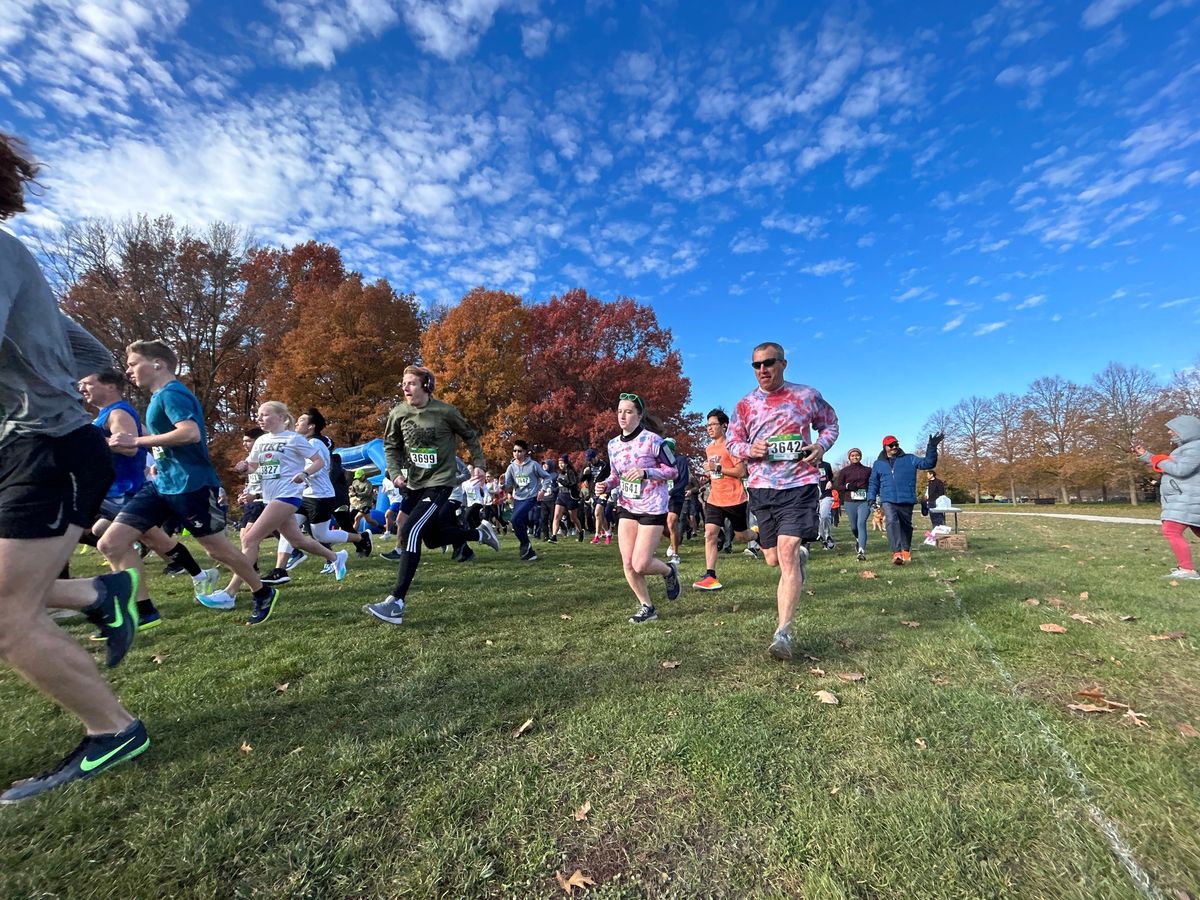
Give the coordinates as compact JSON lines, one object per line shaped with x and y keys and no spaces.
{"x":920,"y":201}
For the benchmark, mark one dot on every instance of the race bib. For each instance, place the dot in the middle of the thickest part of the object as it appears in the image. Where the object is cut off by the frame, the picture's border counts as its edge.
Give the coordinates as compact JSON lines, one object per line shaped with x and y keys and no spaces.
{"x":158,"y":452}
{"x":268,"y":467}
{"x":785,"y":447}
{"x":860,"y":494}
{"x":254,"y":483}
{"x":631,"y":490}
{"x":423,"y":457}
{"x":522,"y":481}
{"x":670,"y":485}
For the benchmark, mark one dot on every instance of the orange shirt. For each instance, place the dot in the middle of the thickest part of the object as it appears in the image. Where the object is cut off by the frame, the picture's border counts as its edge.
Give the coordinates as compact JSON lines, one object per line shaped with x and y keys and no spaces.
{"x":728,"y":490}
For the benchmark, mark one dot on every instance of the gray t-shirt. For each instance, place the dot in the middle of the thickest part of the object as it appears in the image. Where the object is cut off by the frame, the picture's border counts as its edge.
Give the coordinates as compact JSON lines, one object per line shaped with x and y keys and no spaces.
{"x":43,"y":354}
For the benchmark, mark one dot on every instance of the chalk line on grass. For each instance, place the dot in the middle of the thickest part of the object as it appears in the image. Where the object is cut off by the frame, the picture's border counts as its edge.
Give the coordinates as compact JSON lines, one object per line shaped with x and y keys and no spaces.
{"x":1140,"y":877}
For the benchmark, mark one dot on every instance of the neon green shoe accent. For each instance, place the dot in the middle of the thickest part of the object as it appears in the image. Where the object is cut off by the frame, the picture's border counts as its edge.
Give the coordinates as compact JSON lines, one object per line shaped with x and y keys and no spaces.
{"x":87,"y":765}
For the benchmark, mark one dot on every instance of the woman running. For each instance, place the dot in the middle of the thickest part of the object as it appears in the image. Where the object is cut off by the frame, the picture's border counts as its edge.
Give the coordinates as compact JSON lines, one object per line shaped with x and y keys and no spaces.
{"x":567,"y":500}
{"x":642,"y":466}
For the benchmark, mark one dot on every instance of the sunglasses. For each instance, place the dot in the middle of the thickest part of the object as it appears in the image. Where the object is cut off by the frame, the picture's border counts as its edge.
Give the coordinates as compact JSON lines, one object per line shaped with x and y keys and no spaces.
{"x":765,"y":363}
{"x":893,"y":445}
{"x":634,"y":398}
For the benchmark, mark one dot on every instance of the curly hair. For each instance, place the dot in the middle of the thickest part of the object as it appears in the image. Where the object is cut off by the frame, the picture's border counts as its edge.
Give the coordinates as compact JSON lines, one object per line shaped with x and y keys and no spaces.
{"x":15,"y":171}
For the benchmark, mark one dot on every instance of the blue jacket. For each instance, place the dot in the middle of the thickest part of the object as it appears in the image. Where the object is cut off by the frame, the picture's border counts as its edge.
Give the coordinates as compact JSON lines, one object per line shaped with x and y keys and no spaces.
{"x":895,"y":480}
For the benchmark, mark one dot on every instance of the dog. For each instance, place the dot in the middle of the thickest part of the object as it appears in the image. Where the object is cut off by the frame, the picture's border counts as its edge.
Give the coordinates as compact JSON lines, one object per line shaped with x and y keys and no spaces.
{"x":877,"y":519}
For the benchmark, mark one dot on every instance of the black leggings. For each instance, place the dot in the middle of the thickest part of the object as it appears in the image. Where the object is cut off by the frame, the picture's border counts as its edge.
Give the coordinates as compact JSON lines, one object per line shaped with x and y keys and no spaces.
{"x":432,"y":521}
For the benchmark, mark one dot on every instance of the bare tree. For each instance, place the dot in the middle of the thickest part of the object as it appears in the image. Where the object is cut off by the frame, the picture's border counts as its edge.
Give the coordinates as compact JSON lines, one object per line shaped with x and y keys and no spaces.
{"x":1058,"y":412}
{"x":1009,"y":442}
{"x":971,"y":436}
{"x":1183,"y":393}
{"x":1128,"y":398}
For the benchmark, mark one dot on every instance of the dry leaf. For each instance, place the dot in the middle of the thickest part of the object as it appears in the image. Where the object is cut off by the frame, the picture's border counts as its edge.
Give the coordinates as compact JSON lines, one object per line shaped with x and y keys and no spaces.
{"x":159,"y":658}
{"x":826,"y":697}
{"x":1089,"y":708}
{"x":867,"y":574}
{"x":1173,"y":583}
{"x":487,"y":643}
{"x":921,"y":745}
{"x":908,"y":624}
{"x":246,"y":748}
{"x":1187,"y":730}
{"x":524,"y":728}
{"x":820,"y":673}
{"x":1138,"y":719}
{"x":1083,"y":595}
{"x":1051,"y":628}
{"x":1033,"y":601}
{"x":1129,"y":618}
{"x":941,"y":682}
{"x":1055,"y":602}
{"x":1079,"y":617}
{"x":851,"y":676}
{"x":581,"y":814}
{"x":577,"y":880}
{"x":281,"y":687}
{"x":1095,"y":692}
{"x":565,"y":566}
{"x":564,"y":617}
{"x":987,"y":567}
{"x":1169,"y":636}
{"x":670,"y":664}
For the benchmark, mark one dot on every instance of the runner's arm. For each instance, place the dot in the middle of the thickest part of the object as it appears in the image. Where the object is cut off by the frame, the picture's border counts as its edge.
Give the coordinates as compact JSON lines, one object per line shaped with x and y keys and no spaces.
{"x":121,"y":422}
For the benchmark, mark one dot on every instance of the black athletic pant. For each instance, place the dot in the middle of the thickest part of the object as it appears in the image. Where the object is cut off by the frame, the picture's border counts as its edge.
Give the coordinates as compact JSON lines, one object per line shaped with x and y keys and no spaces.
{"x":432,"y":521}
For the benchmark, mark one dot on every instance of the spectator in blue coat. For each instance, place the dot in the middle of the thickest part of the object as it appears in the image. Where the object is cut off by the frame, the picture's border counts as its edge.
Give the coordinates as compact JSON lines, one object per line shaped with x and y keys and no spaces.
{"x":894,"y":483}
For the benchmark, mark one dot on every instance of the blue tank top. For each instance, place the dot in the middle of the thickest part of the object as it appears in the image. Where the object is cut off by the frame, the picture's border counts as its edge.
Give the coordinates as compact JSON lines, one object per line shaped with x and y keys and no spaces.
{"x":131,"y":470}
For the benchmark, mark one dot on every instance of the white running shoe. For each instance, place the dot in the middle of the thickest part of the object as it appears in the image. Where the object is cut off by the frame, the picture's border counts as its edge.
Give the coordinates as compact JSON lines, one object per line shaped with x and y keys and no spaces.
{"x":339,"y":565}
{"x":216,"y":600}
{"x":203,"y":583}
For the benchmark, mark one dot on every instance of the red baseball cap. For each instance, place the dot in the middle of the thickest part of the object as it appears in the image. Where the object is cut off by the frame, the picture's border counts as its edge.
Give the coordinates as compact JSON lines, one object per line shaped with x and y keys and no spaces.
{"x":889,"y":439}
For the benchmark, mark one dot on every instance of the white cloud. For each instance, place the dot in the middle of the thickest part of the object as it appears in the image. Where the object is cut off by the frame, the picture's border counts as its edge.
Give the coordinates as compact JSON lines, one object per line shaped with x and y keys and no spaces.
{"x":954,"y":323}
{"x":728,"y":340}
{"x":987,"y":246}
{"x":1031,"y":301}
{"x":313,"y":32}
{"x":449,"y":30}
{"x":912,"y":293}
{"x":1100,"y":12}
{"x":829,"y":267}
{"x":1033,"y":78}
{"x":748,"y":242}
{"x":988,"y":328}
{"x":804,"y":226}
{"x":535,"y":37}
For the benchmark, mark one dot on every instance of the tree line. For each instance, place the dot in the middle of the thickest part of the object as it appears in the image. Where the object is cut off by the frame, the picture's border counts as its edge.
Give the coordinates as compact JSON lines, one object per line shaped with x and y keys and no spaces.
{"x":1061,"y":438}
{"x":294,"y":324}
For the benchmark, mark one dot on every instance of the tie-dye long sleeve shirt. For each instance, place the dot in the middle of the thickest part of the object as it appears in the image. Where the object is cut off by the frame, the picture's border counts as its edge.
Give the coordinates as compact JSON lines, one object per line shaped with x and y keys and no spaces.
{"x":627,"y":456}
{"x":786,"y":419}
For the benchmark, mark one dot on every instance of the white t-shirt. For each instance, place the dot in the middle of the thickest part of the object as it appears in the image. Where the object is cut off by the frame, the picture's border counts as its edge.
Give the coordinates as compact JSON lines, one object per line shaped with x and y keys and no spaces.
{"x":319,"y":485}
{"x":280,"y":457}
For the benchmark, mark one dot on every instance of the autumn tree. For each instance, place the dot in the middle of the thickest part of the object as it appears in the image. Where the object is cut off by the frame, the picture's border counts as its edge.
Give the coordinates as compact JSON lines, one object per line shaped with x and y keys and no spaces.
{"x":584,"y":353}
{"x":1056,"y":416}
{"x":1008,"y":440}
{"x":345,"y":353}
{"x":479,"y":351}
{"x":972,"y":437}
{"x":1128,"y":400}
{"x":1182,"y":396}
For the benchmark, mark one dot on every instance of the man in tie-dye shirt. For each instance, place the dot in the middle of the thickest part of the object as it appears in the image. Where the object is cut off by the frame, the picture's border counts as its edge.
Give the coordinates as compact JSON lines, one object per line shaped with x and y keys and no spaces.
{"x":772,"y":429}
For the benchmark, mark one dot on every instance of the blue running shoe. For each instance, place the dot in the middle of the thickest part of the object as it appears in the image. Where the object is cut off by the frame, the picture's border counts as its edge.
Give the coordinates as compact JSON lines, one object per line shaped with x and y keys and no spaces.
{"x":97,"y":753}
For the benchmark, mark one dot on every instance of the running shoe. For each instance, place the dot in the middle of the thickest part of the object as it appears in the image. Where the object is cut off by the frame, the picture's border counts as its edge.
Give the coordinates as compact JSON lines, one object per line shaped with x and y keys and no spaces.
{"x":862,"y":554}
{"x":752,"y":550}
{"x":298,"y":556}
{"x":263,"y":608}
{"x":580,"y":536}
{"x":466,"y":555}
{"x":95,"y":754}
{"x":707,"y":583}
{"x":672,"y":581}
{"x":803,"y":563}
{"x":528,"y":554}
{"x":174,"y":569}
{"x":364,"y":546}
{"x":148,"y":615}
{"x":607,"y":539}
{"x":897,"y":559}
{"x":829,"y":544}
{"x":644,"y":614}
{"x":907,"y":555}
{"x":487,"y":535}
{"x":673,"y":559}
{"x":392,"y":555}
{"x":327,"y":569}
{"x":276,"y":576}
{"x":204,"y":582}
{"x":553,"y":539}
{"x":781,"y":646}
{"x":390,"y":610}
{"x":339,"y":565}
{"x":217,"y":600}
{"x":116,"y":613}
{"x":596,"y":539}
{"x":1183,"y":574}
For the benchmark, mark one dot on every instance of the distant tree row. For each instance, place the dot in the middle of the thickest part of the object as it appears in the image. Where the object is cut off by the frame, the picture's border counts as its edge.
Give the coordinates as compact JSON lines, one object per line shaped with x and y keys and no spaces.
{"x":1061,"y":438}
{"x":293,"y":324}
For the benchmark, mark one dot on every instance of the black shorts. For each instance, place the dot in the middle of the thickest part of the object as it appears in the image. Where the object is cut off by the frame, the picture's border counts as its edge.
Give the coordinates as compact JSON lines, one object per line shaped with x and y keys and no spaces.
{"x":566,"y":501}
{"x":198,"y":511}
{"x":659,"y":519}
{"x":50,"y":483}
{"x":675,"y":505}
{"x":791,"y":512}
{"x":318,"y":509}
{"x":113,"y":505}
{"x":716,"y":515}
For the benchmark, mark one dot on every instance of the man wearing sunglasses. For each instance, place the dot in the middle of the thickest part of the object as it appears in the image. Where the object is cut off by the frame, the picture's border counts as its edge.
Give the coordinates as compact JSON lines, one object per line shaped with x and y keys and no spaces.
{"x":772,"y":430}
{"x":894,"y":482}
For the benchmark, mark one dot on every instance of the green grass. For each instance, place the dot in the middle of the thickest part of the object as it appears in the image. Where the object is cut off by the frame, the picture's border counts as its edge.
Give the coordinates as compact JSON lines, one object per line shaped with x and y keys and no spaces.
{"x":388,"y":766}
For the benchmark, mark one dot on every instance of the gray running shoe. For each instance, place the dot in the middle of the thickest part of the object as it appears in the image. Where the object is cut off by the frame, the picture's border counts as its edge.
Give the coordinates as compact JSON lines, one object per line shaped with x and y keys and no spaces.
{"x":672,"y":580}
{"x":803,"y":565}
{"x":392,"y":555}
{"x":781,"y":646}
{"x":487,"y":535}
{"x":644,"y":614}
{"x":390,"y":610}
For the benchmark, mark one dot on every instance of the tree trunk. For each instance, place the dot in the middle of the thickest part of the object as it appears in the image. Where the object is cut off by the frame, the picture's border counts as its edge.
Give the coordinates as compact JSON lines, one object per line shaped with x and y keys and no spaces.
{"x":1012,"y":489}
{"x":1062,"y":487}
{"x":1133,"y":489}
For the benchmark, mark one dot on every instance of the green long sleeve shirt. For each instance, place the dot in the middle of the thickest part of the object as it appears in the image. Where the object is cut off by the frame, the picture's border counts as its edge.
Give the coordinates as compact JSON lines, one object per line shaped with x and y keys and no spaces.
{"x":423,"y":440}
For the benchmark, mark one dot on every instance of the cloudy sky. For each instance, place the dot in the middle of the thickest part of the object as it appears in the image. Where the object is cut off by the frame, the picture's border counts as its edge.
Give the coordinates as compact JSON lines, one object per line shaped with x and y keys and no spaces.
{"x":919,"y":200}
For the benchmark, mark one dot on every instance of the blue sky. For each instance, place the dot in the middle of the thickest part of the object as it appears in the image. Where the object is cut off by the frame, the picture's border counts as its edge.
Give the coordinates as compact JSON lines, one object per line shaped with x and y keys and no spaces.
{"x":919,"y":200}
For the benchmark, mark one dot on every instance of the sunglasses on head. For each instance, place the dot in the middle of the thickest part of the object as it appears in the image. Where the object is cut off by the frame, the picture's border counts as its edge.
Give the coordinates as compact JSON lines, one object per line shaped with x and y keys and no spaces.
{"x":765,"y":363}
{"x":635,"y":399}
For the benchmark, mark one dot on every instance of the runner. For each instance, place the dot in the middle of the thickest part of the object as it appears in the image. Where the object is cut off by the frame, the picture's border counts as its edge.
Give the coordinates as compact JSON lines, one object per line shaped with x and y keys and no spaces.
{"x":567,"y":500}
{"x":771,"y":429}
{"x":851,"y":482}
{"x":393,"y":519}
{"x":642,"y":466}
{"x":54,"y":472}
{"x":546,"y":498}
{"x":726,"y":498}
{"x":186,"y":489}
{"x":524,"y":478}
{"x":251,"y":497}
{"x":676,"y":488}
{"x":420,"y":437}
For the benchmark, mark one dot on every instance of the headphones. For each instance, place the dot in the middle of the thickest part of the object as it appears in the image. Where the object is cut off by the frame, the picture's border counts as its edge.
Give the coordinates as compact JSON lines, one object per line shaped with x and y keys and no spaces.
{"x":427,"y":382}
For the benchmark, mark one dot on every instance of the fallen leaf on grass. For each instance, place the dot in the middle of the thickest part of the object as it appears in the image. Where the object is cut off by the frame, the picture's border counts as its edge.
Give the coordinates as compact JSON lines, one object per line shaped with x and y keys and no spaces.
{"x":1169,"y":636}
{"x":851,"y":676}
{"x":941,"y":682}
{"x":1051,"y":628}
{"x":565,"y":566}
{"x":246,"y":748}
{"x":1033,"y":601}
{"x":159,"y":658}
{"x":524,"y":728}
{"x":1089,"y":708}
{"x":826,"y":697}
{"x":670,"y":664}
{"x":1095,"y":692}
{"x":867,"y":574}
{"x":811,"y":593}
{"x":1083,"y":595}
{"x":1079,"y":617}
{"x":1187,"y":730}
{"x":577,"y":880}
{"x":564,"y":617}
{"x":1173,"y":583}
{"x":1055,"y":602}
{"x":921,"y":745}
{"x":1138,"y":719}
{"x":910,"y":624}
{"x":282,"y":686}
{"x":297,"y":750}
{"x":819,"y":673}
{"x":581,"y":814}
{"x":1129,"y":618}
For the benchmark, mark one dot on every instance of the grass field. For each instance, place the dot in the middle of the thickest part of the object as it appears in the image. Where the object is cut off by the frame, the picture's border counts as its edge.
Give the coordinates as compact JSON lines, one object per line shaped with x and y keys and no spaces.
{"x":325,"y":754}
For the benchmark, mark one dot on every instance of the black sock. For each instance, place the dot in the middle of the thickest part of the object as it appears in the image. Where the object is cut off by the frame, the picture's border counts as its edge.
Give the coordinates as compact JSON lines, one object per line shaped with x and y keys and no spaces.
{"x":146,"y":607}
{"x":711,"y":573}
{"x":88,"y":538}
{"x":263,"y":593}
{"x":180,"y":555}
